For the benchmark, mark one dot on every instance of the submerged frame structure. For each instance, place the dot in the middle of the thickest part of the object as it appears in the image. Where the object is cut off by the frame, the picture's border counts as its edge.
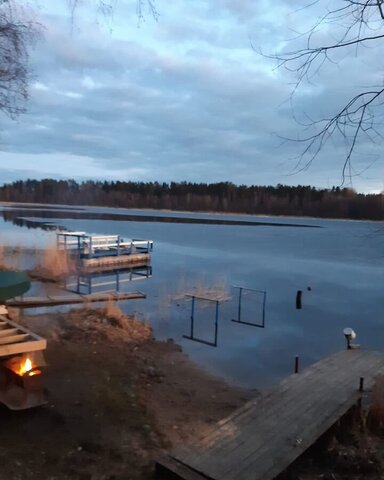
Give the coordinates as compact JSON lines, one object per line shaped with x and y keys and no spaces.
{"x":192,"y":336}
{"x":239,"y":306}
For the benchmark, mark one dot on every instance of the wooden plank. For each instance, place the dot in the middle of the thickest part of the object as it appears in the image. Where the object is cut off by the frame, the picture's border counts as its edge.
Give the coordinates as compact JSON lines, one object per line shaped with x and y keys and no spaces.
{"x":257,"y":408}
{"x":23,"y":347}
{"x":24,"y":329}
{"x":171,"y":469}
{"x":25,"y":342}
{"x":258,"y":432}
{"x":261,"y":439}
{"x":292,"y":416}
{"x":22,"y":337}
{"x":35,"y":302}
{"x":131,"y":259}
{"x":6,"y":332}
{"x":307,"y":427}
{"x":279,"y":426}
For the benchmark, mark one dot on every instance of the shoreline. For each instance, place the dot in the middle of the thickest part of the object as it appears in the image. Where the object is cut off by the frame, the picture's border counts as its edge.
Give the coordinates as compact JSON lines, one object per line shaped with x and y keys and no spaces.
{"x":82,"y":208}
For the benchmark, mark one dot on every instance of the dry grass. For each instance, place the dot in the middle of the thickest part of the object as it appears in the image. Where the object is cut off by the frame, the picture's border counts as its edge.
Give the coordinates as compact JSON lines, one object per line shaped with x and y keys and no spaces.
{"x":10,"y":258}
{"x":2,"y":257}
{"x":216,"y":290}
{"x":111,"y":309}
{"x":219,"y":290}
{"x":134,"y":330}
{"x":375,"y":416}
{"x":54,"y":265}
{"x":87,"y":304}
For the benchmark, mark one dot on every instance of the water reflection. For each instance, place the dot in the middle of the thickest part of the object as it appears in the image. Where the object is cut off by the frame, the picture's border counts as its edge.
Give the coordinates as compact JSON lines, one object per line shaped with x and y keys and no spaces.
{"x":22,"y":217}
{"x":102,"y":281}
{"x":37,"y":224}
{"x":342,"y":262}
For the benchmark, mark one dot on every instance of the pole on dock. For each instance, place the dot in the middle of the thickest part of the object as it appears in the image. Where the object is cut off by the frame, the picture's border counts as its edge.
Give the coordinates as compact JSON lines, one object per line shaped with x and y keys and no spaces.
{"x":216,"y":321}
{"x":192,"y":315}
{"x":239,"y":307}
{"x":297,"y":364}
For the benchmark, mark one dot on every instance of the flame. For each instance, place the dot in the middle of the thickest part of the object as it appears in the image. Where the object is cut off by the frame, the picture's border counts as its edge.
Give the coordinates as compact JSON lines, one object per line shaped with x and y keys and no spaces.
{"x":25,"y":367}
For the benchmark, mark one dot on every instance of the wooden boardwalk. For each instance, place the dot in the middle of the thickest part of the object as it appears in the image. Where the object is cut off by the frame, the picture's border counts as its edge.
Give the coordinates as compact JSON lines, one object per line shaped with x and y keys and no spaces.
{"x":72,"y":299}
{"x":262,"y":438}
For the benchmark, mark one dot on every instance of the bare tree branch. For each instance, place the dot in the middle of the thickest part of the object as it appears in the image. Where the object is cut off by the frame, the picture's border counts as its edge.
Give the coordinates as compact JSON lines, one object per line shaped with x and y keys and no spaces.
{"x":357,"y":23}
{"x":16,"y":37}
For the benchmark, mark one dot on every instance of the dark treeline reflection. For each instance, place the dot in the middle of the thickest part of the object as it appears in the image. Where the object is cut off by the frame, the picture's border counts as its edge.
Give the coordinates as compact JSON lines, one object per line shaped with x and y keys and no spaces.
{"x":18,"y":217}
{"x":220,"y":197}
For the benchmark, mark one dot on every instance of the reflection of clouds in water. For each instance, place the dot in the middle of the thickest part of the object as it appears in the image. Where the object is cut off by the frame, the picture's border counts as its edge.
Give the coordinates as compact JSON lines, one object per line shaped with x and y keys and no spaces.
{"x":346,"y":288}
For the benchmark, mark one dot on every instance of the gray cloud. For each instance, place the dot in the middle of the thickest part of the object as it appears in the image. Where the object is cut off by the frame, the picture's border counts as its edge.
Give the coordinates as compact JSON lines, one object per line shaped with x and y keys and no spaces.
{"x":184,"y":99}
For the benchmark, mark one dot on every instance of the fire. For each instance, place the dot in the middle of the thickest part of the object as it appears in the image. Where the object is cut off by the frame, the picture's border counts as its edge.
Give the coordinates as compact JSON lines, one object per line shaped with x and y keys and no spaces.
{"x":25,"y":367}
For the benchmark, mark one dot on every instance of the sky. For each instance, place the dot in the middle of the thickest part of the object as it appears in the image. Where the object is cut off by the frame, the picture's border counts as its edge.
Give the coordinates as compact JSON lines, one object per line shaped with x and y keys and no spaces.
{"x":185,"y":97}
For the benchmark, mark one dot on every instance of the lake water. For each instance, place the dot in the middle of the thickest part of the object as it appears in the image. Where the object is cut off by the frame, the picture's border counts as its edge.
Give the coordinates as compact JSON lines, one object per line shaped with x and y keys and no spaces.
{"x":342,"y":262}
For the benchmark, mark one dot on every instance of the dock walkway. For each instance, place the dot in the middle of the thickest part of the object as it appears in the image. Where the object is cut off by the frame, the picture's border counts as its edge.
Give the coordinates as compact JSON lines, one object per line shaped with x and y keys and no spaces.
{"x":72,"y":299}
{"x":262,"y":438}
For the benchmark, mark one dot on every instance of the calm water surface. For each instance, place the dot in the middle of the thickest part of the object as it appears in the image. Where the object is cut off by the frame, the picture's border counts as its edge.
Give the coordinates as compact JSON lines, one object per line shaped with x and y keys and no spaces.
{"x":342,"y":262}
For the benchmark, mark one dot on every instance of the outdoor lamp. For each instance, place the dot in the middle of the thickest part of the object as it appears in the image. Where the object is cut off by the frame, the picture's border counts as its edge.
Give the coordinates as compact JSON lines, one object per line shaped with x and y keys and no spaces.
{"x":349,"y":335}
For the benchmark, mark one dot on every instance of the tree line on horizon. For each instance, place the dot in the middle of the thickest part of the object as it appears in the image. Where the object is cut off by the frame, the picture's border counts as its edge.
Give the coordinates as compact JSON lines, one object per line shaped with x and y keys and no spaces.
{"x":220,"y":197}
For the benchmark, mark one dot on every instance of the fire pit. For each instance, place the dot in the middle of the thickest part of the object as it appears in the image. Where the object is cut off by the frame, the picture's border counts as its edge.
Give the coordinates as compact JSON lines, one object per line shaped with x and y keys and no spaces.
{"x":21,"y":357}
{"x":21,"y":366}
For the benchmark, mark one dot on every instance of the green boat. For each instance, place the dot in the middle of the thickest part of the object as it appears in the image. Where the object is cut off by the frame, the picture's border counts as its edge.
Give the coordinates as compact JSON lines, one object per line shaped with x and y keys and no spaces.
{"x":13,"y":284}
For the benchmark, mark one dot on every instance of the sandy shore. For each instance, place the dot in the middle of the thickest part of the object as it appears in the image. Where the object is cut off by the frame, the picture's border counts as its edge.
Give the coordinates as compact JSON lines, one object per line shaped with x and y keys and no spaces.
{"x":117,"y":399}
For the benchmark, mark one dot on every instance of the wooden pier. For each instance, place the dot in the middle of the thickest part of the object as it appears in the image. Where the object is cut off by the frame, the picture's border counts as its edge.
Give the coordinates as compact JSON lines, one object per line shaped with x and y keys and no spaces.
{"x":101,"y":251}
{"x":264,"y":437}
{"x":72,"y":299}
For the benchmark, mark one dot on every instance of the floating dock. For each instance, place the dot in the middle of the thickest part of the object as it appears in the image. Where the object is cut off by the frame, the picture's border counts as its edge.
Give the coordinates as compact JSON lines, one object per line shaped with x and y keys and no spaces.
{"x":102,"y":251}
{"x":264,"y":437}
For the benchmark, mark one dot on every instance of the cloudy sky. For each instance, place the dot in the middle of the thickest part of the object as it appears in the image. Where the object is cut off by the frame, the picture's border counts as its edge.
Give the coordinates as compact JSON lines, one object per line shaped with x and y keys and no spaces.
{"x":185,"y":97}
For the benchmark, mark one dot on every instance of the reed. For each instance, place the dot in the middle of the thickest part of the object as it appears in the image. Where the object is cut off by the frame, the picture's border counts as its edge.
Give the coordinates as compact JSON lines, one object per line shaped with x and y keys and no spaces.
{"x":53,"y":265}
{"x":2,"y":258}
{"x":112,"y":310}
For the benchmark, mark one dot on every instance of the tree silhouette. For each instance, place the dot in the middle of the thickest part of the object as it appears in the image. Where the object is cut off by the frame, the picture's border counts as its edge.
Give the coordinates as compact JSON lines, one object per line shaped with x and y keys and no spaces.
{"x":351,"y":25}
{"x":16,"y":36}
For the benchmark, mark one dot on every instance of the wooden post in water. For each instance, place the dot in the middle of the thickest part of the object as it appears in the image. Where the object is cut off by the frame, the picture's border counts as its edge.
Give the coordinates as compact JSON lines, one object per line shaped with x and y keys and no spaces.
{"x":297,"y":364}
{"x":361,"y":384}
{"x":299,"y":299}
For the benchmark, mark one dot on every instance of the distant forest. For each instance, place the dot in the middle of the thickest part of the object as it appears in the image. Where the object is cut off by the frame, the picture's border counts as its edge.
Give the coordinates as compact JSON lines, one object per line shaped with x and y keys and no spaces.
{"x":219,"y":197}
